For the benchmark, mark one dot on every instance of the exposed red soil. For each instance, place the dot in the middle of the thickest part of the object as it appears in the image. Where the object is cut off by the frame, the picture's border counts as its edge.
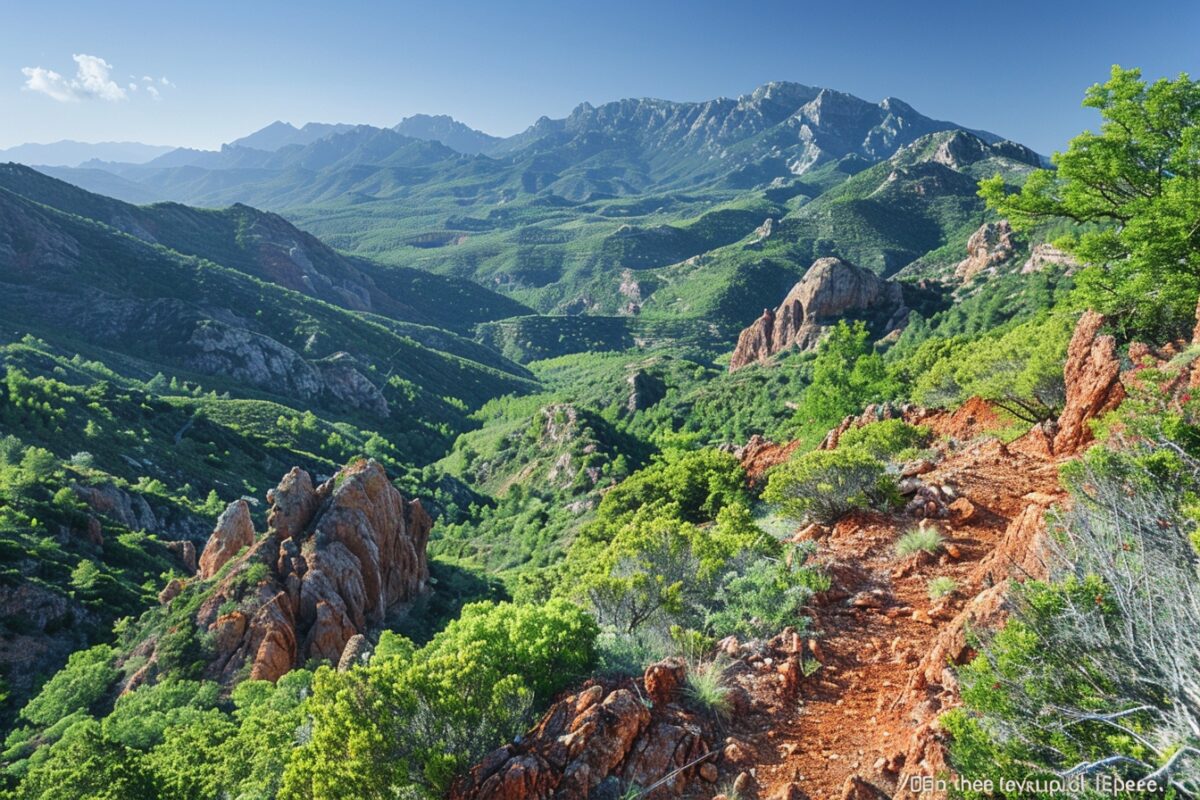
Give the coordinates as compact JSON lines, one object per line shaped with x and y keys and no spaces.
{"x":868,"y":715}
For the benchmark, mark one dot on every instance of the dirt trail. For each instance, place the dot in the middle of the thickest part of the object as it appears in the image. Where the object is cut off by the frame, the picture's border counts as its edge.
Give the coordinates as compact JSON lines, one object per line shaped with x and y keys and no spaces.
{"x":883,"y":642}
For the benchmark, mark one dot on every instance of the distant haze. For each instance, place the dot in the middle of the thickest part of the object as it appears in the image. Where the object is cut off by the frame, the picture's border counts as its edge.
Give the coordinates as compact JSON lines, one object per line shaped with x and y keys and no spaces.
{"x":69,"y":153}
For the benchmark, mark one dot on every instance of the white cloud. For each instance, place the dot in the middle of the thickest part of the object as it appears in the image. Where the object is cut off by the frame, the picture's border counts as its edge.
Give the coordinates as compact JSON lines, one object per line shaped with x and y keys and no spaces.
{"x":93,"y":81}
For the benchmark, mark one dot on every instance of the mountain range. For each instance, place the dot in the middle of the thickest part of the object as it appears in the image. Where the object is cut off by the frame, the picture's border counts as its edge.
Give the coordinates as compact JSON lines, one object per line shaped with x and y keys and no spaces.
{"x":555,"y":215}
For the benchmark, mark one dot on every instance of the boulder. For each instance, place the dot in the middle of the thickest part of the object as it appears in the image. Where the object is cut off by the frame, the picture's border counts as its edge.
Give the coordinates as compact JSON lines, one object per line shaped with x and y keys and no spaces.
{"x":664,"y":679}
{"x":185,"y":553}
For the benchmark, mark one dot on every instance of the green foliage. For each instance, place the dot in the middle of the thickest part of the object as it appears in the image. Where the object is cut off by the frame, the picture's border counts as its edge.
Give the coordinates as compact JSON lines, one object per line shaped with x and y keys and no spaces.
{"x":699,"y":483}
{"x":83,"y":765}
{"x":708,"y":687}
{"x":888,"y":439}
{"x":408,"y":722}
{"x":919,"y":540}
{"x":846,"y":375}
{"x":1019,"y":369}
{"x":140,"y":718}
{"x":1118,"y":609}
{"x":764,"y":596}
{"x":824,"y":485}
{"x":79,"y":686}
{"x":1134,"y":187}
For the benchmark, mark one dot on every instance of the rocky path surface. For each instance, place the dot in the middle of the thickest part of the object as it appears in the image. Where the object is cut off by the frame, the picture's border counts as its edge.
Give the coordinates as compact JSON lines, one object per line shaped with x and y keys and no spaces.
{"x":862,"y":724}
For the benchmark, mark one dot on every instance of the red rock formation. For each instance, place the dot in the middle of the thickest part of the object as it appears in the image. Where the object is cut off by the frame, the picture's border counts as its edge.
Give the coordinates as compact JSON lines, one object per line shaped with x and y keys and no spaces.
{"x":599,"y":732}
{"x":1093,"y":377}
{"x":336,"y":561}
{"x":234,"y":531}
{"x":831,"y":290}
{"x":759,"y":455}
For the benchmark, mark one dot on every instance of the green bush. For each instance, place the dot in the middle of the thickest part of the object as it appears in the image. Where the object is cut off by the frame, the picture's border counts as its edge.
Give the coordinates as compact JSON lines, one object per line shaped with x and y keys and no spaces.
{"x":888,"y":439}
{"x":410,"y":720}
{"x":77,"y":687}
{"x":824,"y":485}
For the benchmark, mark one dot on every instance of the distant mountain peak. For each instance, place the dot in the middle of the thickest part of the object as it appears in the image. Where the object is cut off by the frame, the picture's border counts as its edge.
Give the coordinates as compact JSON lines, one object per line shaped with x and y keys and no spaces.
{"x":448,"y":131}
{"x":280,"y":134}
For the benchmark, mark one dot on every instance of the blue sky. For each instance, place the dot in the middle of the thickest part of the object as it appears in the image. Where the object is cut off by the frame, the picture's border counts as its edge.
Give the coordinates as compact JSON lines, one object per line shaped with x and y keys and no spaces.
{"x":1016,"y":68}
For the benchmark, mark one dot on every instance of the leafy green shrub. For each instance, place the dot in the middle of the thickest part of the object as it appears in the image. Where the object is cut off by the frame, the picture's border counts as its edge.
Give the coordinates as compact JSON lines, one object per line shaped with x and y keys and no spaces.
{"x":1135,"y":219}
{"x":410,"y":720}
{"x":847,"y":374}
{"x":941,"y":586}
{"x":918,"y":540}
{"x":824,"y":485}
{"x":700,"y":483}
{"x":888,"y":439}
{"x":76,"y":687}
{"x":1019,"y":369}
{"x":765,"y":595}
{"x":139,"y":718}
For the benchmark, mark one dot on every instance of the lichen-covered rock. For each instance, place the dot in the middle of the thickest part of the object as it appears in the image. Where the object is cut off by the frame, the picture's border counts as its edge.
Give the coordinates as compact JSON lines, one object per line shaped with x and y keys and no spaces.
{"x":831,"y":290}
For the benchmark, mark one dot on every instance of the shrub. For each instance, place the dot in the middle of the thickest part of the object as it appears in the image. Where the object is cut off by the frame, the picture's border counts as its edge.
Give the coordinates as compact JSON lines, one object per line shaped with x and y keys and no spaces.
{"x":888,"y":439}
{"x":941,"y":587}
{"x":76,"y":687}
{"x":765,"y":596}
{"x":928,"y":540}
{"x":1121,"y":609}
{"x":824,"y":485}
{"x":410,"y":720}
